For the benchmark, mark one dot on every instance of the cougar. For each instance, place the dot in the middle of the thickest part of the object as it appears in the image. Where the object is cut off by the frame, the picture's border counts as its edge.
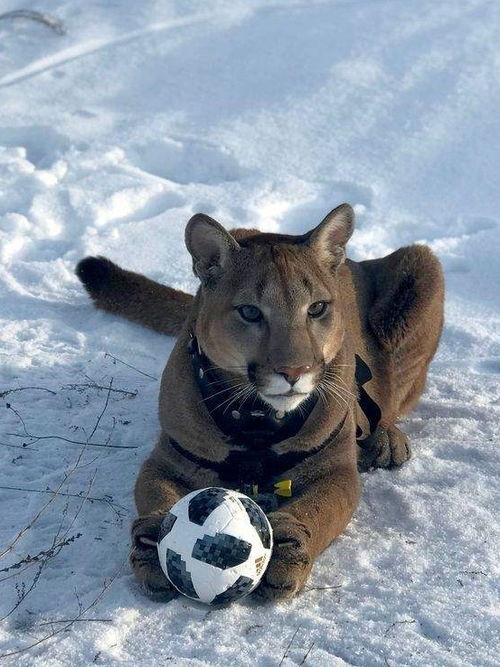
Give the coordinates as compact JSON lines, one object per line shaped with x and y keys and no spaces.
{"x":291,"y":367}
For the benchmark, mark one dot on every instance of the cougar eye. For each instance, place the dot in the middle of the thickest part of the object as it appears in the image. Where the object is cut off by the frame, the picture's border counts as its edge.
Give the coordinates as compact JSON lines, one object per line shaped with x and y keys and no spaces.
{"x":250,"y":313}
{"x":317,"y":309}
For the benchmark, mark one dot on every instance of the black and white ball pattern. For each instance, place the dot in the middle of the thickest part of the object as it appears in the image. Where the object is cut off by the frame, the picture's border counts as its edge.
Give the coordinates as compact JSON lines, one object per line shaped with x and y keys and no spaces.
{"x":214,"y":545}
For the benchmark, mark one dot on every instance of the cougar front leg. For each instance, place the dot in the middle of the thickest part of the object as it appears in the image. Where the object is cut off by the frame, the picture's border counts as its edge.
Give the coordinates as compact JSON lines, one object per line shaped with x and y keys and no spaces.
{"x":155,"y":494}
{"x":303,"y":528}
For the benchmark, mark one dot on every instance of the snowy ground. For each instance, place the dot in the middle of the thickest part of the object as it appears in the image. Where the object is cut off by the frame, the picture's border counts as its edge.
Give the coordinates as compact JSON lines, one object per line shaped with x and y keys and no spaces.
{"x":259,"y":113}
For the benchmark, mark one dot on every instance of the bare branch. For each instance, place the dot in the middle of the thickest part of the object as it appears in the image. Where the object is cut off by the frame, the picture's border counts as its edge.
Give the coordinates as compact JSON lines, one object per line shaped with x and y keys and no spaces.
{"x":67,"y":495}
{"x":9,"y":407}
{"x":22,"y":592}
{"x":306,"y":655}
{"x":399,"y":623}
{"x":24,"y":446}
{"x":11,"y":391}
{"x":75,"y":620}
{"x":36,"y":438}
{"x":94,"y":385}
{"x":107,"y":354}
{"x":42,"y":555}
{"x":98,"y":421}
{"x":86,"y":443}
{"x":285,"y":654}
{"x":50,"y":21}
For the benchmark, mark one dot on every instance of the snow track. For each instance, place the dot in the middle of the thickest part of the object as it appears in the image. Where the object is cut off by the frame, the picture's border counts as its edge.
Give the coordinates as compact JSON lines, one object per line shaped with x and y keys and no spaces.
{"x":262,"y":114}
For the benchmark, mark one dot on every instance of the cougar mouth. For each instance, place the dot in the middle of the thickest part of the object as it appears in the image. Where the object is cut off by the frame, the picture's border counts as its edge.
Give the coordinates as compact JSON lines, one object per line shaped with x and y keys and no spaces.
{"x":285,"y":402}
{"x":291,"y":392}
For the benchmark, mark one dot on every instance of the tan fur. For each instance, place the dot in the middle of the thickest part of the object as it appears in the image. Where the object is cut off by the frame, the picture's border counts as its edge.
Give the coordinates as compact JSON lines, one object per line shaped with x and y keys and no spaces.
{"x":134,"y":296}
{"x":389,"y":311}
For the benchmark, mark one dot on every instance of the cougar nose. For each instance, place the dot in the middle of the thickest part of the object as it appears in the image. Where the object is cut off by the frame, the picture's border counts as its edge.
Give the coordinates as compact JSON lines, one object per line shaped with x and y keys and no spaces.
{"x":292,"y":374}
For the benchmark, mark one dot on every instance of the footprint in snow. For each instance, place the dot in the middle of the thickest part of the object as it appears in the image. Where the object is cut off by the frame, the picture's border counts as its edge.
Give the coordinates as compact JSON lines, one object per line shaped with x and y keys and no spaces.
{"x":297,"y":219}
{"x":43,"y":144}
{"x":488,"y":366}
{"x":153,"y":207}
{"x":186,"y":161}
{"x":478,"y":225}
{"x":84,"y":113}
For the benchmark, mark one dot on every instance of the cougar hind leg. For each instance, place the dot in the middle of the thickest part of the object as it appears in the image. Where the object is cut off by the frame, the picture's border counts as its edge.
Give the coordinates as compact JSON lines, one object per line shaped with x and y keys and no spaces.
{"x":386,"y":448}
{"x":407,"y":319}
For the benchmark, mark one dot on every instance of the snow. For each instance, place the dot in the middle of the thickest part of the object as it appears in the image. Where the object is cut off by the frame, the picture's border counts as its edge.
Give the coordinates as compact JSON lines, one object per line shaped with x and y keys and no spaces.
{"x":261,"y":114}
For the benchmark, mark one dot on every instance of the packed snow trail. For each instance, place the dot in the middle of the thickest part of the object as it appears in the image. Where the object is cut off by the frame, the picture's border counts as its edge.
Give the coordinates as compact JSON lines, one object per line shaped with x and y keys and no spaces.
{"x":262,"y":114}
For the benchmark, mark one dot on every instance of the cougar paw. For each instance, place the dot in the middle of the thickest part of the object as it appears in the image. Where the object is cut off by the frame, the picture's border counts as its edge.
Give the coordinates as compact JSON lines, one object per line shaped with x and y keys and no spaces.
{"x":290,"y":562}
{"x":386,"y":448}
{"x":95,"y":273}
{"x":144,"y":560}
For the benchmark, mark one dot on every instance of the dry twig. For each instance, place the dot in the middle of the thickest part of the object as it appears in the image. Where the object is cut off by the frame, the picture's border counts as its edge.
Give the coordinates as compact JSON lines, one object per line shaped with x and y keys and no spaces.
{"x":285,"y":654}
{"x":50,"y":21}
{"x":36,"y":438}
{"x":307,"y":654}
{"x":94,"y":385}
{"x":24,"y":446}
{"x":107,"y":354}
{"x":399,"y":623}
{"x":6,"y":392}
{"x":91,"y":499}
{"x":75,"y":620}
{"x":42,"y":555}
{"x":86,"y":443}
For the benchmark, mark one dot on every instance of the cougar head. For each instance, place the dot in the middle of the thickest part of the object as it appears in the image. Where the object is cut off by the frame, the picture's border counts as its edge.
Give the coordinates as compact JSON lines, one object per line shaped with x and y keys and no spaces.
{"x":268,"y":311}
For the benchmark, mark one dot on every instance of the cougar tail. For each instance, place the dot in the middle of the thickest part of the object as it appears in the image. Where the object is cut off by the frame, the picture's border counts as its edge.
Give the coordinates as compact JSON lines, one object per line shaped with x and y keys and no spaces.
{"x":133,"y":296}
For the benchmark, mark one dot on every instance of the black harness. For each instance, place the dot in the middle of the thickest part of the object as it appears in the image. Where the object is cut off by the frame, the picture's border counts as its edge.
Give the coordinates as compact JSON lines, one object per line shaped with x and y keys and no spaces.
{"x":256,"y":426}
{"x":371,"y":410}
{"x":245,"y":466}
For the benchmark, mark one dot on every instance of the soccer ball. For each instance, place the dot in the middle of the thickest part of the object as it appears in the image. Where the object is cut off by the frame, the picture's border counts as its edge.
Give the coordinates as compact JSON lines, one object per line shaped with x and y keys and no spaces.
{"x":214,"y":545}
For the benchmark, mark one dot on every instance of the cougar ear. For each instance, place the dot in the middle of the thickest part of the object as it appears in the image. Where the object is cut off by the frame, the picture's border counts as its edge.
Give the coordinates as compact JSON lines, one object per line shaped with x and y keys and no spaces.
{"x":329,"y":238}
{"x":209,"y":245}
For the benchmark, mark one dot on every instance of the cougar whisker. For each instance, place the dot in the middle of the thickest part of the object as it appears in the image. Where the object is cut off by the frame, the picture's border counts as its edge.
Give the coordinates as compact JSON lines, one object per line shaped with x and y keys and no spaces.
{"x":240,"y":394}
{"x":222,"y":391}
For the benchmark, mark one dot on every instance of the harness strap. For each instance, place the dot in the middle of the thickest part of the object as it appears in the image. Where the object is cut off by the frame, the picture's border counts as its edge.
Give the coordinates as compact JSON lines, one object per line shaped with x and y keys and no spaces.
{"x":247,"y":466}
{"x":370,"y":409}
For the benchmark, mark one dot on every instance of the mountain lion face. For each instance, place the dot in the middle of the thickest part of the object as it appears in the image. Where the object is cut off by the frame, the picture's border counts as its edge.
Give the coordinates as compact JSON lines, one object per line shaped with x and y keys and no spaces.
{"x":268,"y":312}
